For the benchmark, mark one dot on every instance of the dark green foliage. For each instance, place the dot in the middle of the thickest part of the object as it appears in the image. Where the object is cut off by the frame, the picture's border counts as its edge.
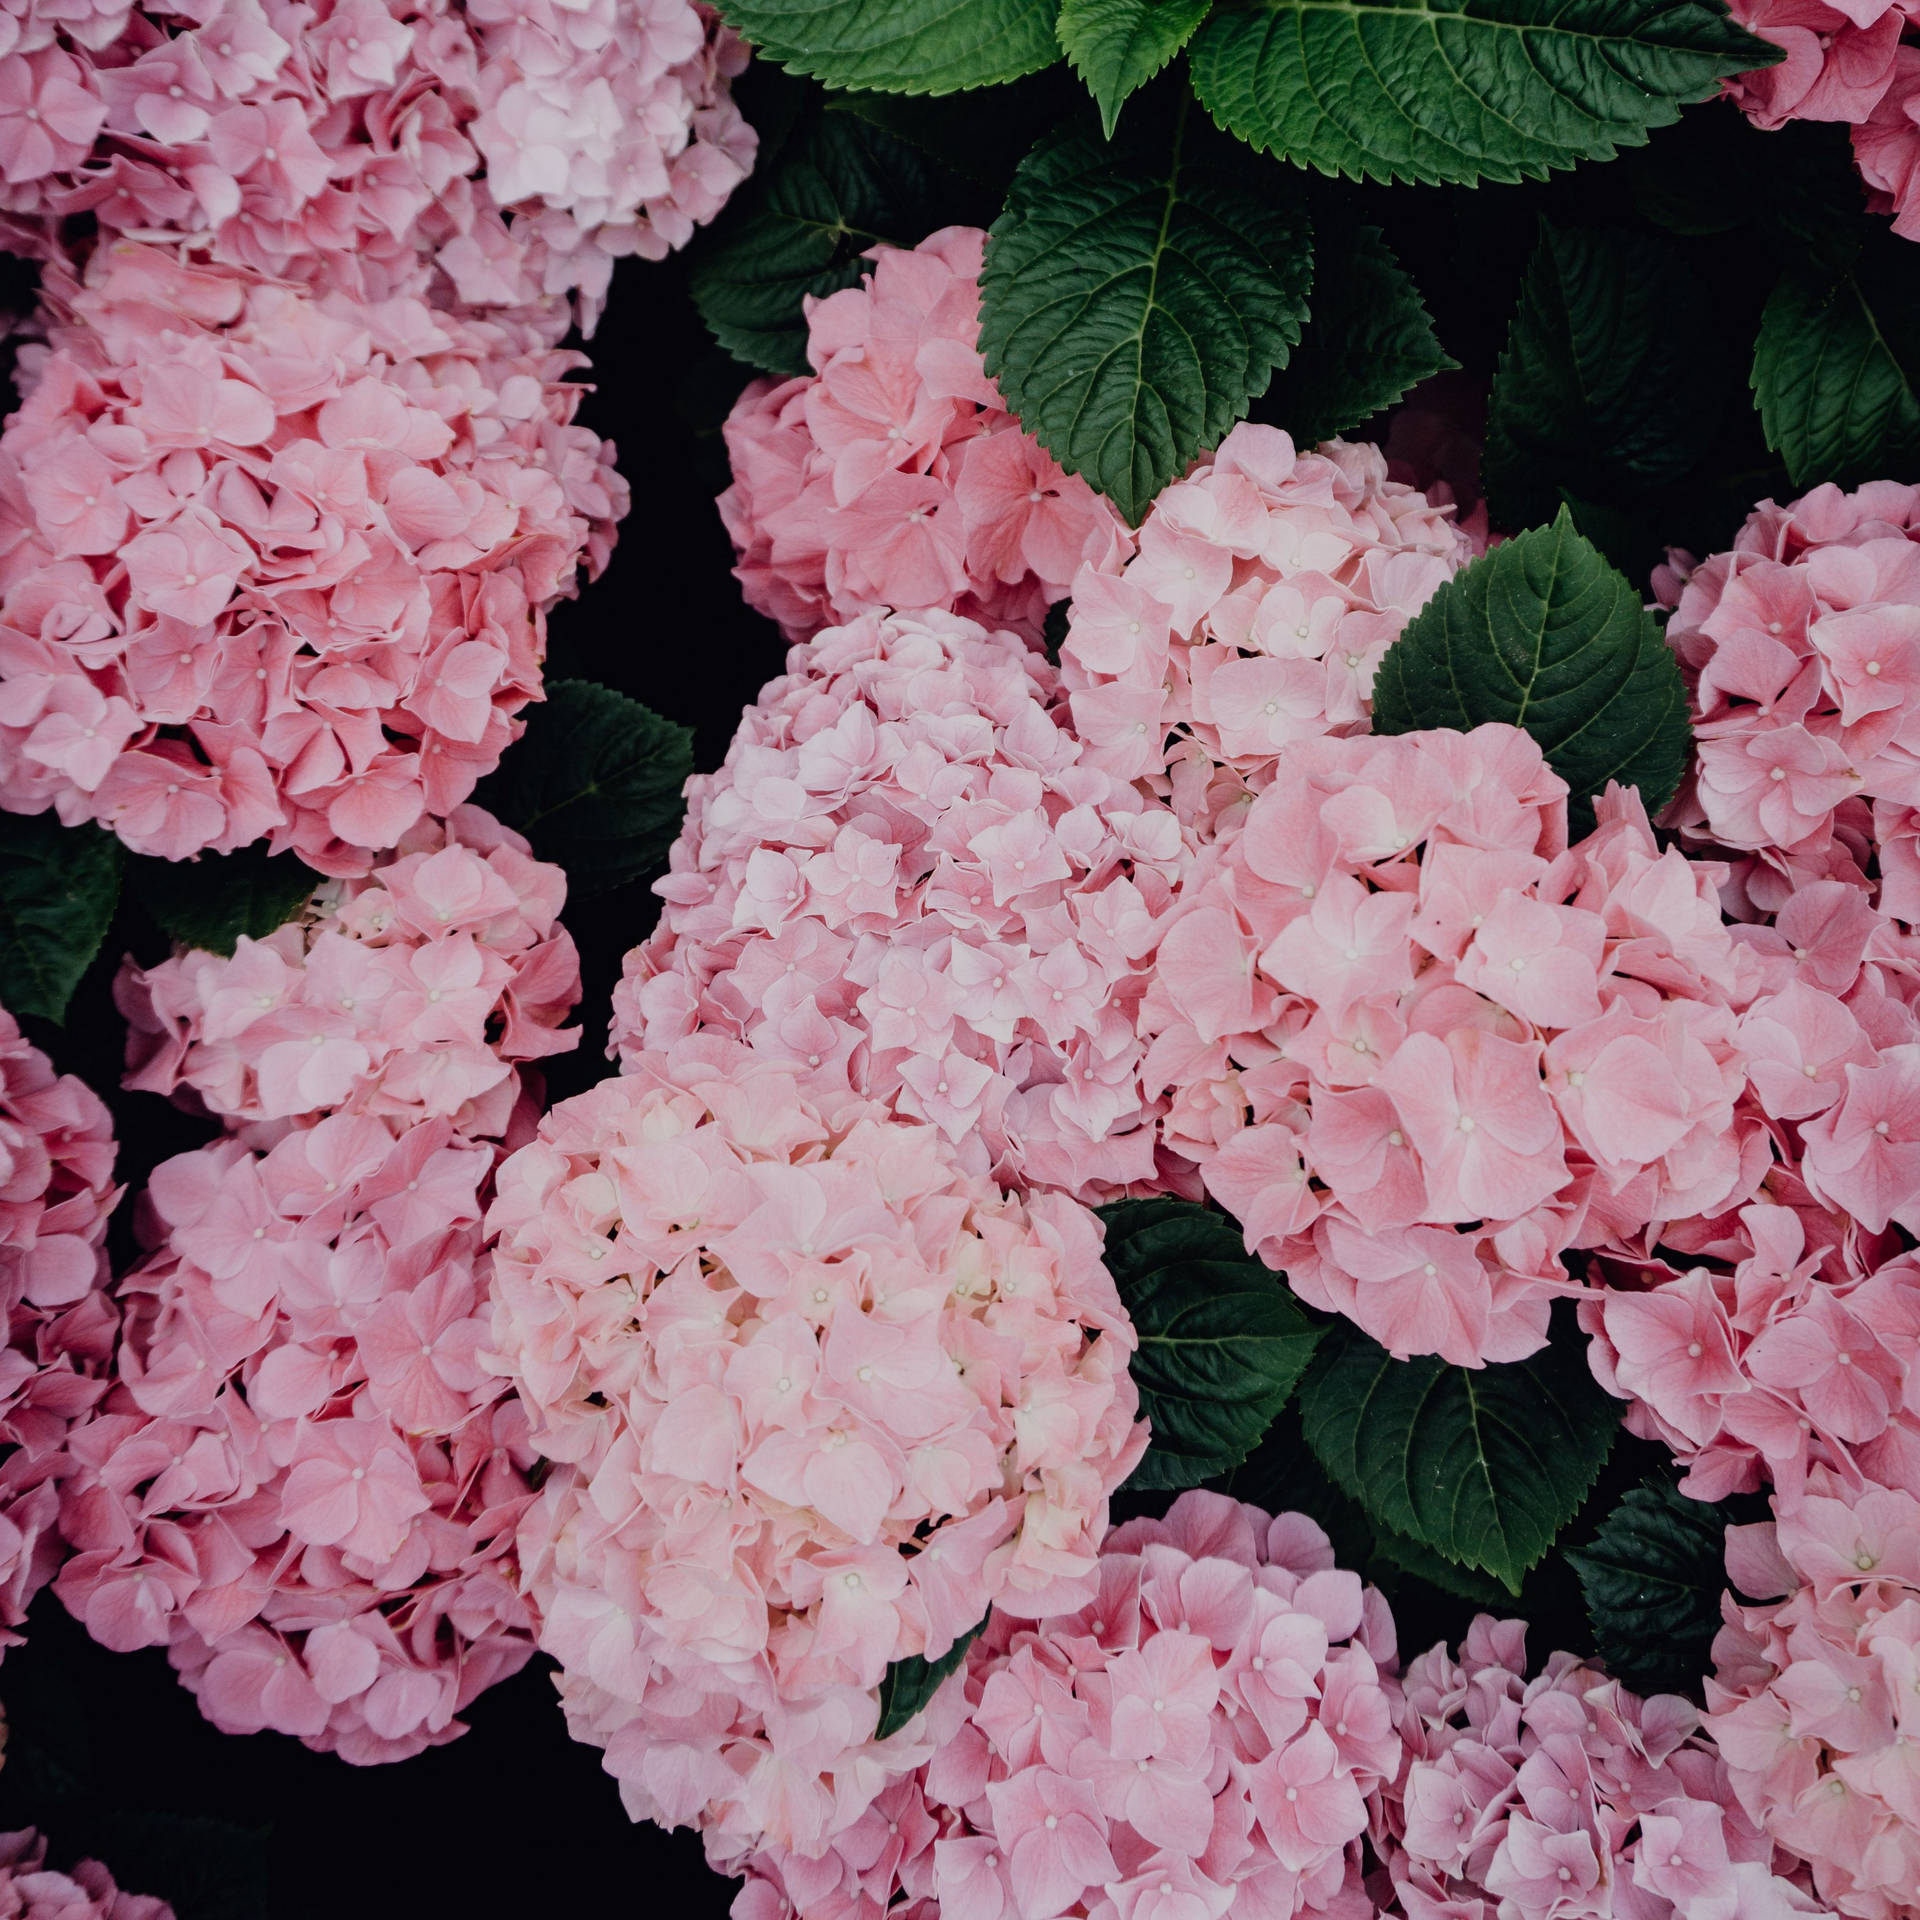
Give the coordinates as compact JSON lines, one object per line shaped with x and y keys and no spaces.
{"x":58,"y":889}
{"x":210,"y":902}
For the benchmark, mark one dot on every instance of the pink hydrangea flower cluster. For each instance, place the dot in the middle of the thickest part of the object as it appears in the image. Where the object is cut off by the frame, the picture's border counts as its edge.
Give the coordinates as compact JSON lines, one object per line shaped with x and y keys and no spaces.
{"x":56,"y":1191}
{"x":1802,"y":646}
{"x":1420,"y":1048}
{"x":818,"y":1398}
{"x":490,"y":156}
{"x":1267,"y":585}
{"x":1844,"y":62}
{"x":1563,"y":1796}
{"x":908,"y":878}
{"x":277,"y":566}
{"x":1204,"y":1737}
{"x":30,"y":1890}
{"x":1816,"y":1695}
{"x":414,"y":993}
{"x":892,"y":476}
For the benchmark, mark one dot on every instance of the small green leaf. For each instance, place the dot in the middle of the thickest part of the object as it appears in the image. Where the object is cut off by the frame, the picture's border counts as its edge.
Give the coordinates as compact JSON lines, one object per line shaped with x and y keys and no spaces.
{"x":1478,"y":90}
{"x":1484,"y":1466}
{"x":1222,"y":1342}
{"x":1117,"y":46}
{"x":1836,"y":370}
{"x":902,"y":46}
{"x":1611,"y":380}
{"x":595,"y":784}
{"x":803,"y":229}
{"x":1368,"y":340}
{"x":909,"y":1684}
{"x":210,"y":902}
{"x":1541,"y":633}
{"x":1133,"y":304}
{"x":1652,"y":1577}
{"x":58,"y":889}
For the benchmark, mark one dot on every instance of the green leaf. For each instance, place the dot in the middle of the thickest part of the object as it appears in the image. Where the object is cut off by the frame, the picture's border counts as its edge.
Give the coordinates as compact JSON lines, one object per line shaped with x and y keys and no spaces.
{"x":594,"y":784}
{"x":1133,"y":304}
{"x":1652,"y":1577}
{"x":1482,"y":1465}
{"x":1368,"y":340}
{"x":210,"y":902}
{"x":803,"y":229}
{"x":1836,"y":370}
{"x":907,"y":1685}
{"x":1117,"y":46}
{"x":1222,"y":1342}
{"x":1477,"y":90}
{"x":1542,"y":634}
{"x":1611,"y":380}
{"x":58,"y":889}
{"x":902,"y":46}
{"x":1409,"y":1556}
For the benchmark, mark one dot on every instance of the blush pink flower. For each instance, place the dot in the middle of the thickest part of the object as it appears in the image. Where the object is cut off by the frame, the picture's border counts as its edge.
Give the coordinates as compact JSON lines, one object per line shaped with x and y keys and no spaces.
{"x":31,"y":1889}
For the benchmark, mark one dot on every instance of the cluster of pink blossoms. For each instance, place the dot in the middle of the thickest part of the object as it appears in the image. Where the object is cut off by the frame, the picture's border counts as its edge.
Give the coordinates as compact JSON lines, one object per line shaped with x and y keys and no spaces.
{"x":305,"y":1482}
{"x":907,"y":878}
{"x":1816,"y":1695}
{"x":271,"y":565}
{"x":1420,"y":1048}
{"x":892,"y":476}
{"x":1267,"y":586}
{"x":1203,"y":1737}
{"x":818,"y":1399}
{"x":488,"y":155}
{"x":56,"y":1191}
{"x":30,"y":1890}
{"x":1563,"y":1797}
{"x":411,"y":994}
{"x":1844,"y":61}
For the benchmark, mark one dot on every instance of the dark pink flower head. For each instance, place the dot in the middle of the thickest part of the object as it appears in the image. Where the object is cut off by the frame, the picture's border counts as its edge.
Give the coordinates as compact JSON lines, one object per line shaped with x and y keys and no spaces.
{"x":33,"y":1891}
{"x":419,"y":991}
{"x":892,"y":477}
{"x":817,"y":1397}
{"x":1133,"y":1757}
{"x":278,"y":565}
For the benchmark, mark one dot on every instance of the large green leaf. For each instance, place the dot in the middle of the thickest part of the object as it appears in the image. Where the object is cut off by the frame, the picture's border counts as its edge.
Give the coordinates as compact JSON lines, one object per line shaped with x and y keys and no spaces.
{"x":1836,"y":369}
{"x":902,"y":46}
{"x":1133,"y":303}
{"x":594,"y":784}
{"x":1476,"y":90}
{"x":58,"y":889}
{"x":1611,"y":379}
{"x":1368,"y":339}
{"x":1222,"y":1342}
{"x":210,"y":902}
{"x":907,"y":1685}
{"x":1652,"y":1577}
{"x":1542,"y":634}
{"x":1117,"y":46}
{"x":802,"y":229}
{"x":1482,"y":1465}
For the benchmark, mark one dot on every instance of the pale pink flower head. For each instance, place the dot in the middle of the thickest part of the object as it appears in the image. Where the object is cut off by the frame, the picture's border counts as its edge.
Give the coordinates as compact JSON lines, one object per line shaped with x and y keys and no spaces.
{"x":816,"y":1399}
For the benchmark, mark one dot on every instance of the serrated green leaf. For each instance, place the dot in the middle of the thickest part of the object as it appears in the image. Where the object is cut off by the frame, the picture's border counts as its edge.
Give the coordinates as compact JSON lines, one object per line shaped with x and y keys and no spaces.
{"x":1481,"y":90}
{"x":1652,"y":1577}
{"x":907,"y":1685}
{"x":58,"y":888}
{"x":210,"y":902}
{"x":1368,"y":340}
{"x":1484,"y":1466}
{"x":802,"y":229}
{"x":1836,"y":370}
{"x":1409,"y":1556}
{"x":1611,"y":379}
{"x":902,"y":46}
{"x":595,"y":784}
{"x":1133,"y":304}
{"x":1117,"y":46}
{"x":1221,"y":1340}
{"x":1541,"y":633}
